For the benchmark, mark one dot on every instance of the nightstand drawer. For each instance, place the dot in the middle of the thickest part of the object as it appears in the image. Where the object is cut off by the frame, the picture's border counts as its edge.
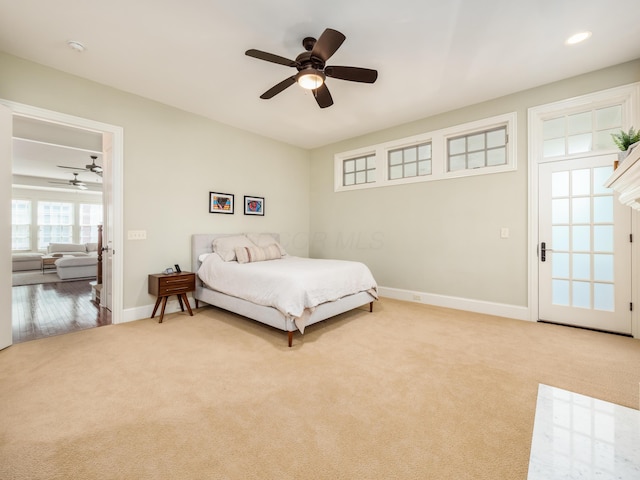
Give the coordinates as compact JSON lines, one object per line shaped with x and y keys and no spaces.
{"x":172,"y":284}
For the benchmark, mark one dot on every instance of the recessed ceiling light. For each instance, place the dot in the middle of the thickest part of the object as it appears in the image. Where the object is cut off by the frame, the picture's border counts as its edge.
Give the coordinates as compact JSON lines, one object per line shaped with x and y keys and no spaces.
{"x":77,"y":46}
{"x":577,"y":38}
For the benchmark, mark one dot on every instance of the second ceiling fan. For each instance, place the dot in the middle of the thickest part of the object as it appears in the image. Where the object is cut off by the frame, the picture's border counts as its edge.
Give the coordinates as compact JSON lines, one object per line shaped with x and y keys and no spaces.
{"x":92,"y":167}
{"x":312,"y":68}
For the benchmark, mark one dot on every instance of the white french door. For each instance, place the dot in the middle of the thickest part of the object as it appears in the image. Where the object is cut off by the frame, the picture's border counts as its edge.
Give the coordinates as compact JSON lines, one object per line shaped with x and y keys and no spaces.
{"x":6,"y":128}
{"x":584,"y":246}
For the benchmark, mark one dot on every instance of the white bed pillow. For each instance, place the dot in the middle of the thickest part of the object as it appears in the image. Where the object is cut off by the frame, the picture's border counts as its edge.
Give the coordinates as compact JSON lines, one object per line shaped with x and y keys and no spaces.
{"x":226,"y":246}
{"x":258,"y":254}
{"x":264,"y":240}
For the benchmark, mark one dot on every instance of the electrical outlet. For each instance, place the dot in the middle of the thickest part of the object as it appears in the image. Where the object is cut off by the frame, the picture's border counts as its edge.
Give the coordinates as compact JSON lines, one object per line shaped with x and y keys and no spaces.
{"x":417,"y":298}
{"x":137,"y":235}
{"x":504,"y":232}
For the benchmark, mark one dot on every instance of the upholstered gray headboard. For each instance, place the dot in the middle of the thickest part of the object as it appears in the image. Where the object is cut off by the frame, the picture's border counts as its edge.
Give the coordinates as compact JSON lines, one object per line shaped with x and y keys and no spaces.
{"x":201,"y":243}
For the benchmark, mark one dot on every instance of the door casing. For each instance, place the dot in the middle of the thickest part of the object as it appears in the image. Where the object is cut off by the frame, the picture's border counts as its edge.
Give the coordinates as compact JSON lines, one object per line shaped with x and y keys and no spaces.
{"x":116,"y":135}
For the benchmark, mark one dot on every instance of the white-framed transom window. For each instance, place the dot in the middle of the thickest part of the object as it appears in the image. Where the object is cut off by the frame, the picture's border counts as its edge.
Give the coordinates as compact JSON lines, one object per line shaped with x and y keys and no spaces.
{"x":411,"y":161}
{"x":486,"y":148}
{"x":481,"y":147}
{"x":360,"y":170}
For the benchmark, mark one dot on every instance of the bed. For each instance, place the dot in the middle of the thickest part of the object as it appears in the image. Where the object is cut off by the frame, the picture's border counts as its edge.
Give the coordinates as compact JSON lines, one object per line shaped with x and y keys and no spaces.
{"x":243,"y":284}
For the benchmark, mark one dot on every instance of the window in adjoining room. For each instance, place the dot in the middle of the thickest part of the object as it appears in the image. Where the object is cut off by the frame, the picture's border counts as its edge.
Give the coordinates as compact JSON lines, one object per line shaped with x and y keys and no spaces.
{"x":90,"y":218}
{"x":20,"y":225}
{"x":55,"y":223}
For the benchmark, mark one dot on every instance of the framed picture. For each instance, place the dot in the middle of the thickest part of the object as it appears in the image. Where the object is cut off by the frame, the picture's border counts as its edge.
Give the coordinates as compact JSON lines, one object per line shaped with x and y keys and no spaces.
{"x":220,"y":202}
{"x":253,"y":205}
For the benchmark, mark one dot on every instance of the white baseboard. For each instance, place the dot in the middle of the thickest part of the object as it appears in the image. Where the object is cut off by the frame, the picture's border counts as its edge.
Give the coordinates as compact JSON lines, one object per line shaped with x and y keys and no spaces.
{"x":469,"y":305}
{"x":458,"y":303}
{"x":138,"y":313}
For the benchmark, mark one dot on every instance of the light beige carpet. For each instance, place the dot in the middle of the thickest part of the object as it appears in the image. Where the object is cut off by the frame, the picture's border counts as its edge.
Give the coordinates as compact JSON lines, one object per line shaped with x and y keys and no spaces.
{"x":407,"y":392}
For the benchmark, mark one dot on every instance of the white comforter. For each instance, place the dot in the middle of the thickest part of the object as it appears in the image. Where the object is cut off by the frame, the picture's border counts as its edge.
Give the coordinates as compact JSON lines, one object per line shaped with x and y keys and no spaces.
{"x":293,"y":285}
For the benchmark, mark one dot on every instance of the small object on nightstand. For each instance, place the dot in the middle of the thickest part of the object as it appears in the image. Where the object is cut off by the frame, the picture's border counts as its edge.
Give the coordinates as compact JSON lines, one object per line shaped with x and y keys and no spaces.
{"x":163,"y":285}
{"x":178,"y":268}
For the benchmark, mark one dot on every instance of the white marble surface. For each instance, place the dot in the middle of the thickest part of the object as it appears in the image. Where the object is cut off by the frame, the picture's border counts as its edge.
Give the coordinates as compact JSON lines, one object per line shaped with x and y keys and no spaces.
{"x":580,"y":437}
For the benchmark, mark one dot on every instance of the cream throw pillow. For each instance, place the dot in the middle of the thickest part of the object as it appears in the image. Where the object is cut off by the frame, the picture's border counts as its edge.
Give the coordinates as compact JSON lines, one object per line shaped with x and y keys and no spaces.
{"x":264,"y":240}
{"x":226,"y":246}
{"x":257,"y":254}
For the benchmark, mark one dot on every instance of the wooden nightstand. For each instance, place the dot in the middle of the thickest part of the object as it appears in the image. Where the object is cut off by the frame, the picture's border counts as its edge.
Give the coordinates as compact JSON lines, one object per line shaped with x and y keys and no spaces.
{"x":164,"y":285}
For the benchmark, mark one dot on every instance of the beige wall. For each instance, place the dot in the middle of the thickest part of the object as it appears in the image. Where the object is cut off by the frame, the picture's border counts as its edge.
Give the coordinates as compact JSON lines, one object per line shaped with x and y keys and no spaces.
{"x":443,"y":237}
{"x":437,"y":237}
{"x":172,"y":159}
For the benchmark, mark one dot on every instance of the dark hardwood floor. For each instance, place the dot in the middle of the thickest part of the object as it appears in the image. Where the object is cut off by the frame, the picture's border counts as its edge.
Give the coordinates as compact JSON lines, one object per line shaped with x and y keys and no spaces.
{"x":53,"y":309}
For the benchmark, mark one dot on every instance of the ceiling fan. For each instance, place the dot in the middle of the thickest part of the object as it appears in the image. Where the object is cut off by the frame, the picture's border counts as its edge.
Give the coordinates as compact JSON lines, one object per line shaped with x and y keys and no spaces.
{"x":312,"y":68}
{"x":92,"y":167}
{"x":75,"y":182}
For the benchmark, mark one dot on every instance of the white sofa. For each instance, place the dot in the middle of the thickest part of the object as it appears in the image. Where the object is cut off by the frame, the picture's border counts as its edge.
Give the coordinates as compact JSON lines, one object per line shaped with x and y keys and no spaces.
{"x":77,"y":260}
{"x":77,"y":267}
{"x":26,"y":261}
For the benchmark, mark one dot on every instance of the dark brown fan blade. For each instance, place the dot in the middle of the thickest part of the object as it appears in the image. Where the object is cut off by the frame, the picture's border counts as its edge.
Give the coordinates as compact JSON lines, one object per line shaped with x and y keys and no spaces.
{"x":270,"y":57}
{"x":327,"y":44}
{"x":323,"y":97}
{"x":276,"y":89}
{"x":352,"y":74}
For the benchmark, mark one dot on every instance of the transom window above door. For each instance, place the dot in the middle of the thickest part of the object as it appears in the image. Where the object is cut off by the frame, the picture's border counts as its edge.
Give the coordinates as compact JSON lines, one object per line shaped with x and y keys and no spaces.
{"x":581,"y":132}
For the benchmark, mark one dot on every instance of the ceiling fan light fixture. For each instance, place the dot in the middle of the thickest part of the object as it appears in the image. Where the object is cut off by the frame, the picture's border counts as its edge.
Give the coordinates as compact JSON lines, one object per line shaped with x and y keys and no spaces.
{"x":310,"y":79}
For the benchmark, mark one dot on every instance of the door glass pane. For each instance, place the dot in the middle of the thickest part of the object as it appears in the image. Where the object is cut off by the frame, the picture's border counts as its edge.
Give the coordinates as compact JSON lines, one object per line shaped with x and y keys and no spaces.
{"x":581,"y":294}
{"x":579,"y":123}
{"x":361,"y":163}
{"x":582,"y":266}
{"x":560,"y":238}
{"x":603,"y":209}
{"x":560,"y":265}
{"x":580,"y":143}
{"x":581,"y":211}
{"x":560,"y":211}
{"x":603,"y":297}
{"x":581,"y":182}
{"x":560,"y":184}
{"x":600,"y":175}
{"x":581,"y":240}
{"x":560,"y":292}
{"x":410,"y":154}
{"x":410,"y":170}
{"x":603,"y":268}
{"x":603,"y":238}
{"x":361,"y":177}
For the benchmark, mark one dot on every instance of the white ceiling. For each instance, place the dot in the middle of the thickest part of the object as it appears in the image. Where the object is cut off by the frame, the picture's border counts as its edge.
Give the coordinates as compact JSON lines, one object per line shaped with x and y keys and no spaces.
{"x":432,"y":56}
